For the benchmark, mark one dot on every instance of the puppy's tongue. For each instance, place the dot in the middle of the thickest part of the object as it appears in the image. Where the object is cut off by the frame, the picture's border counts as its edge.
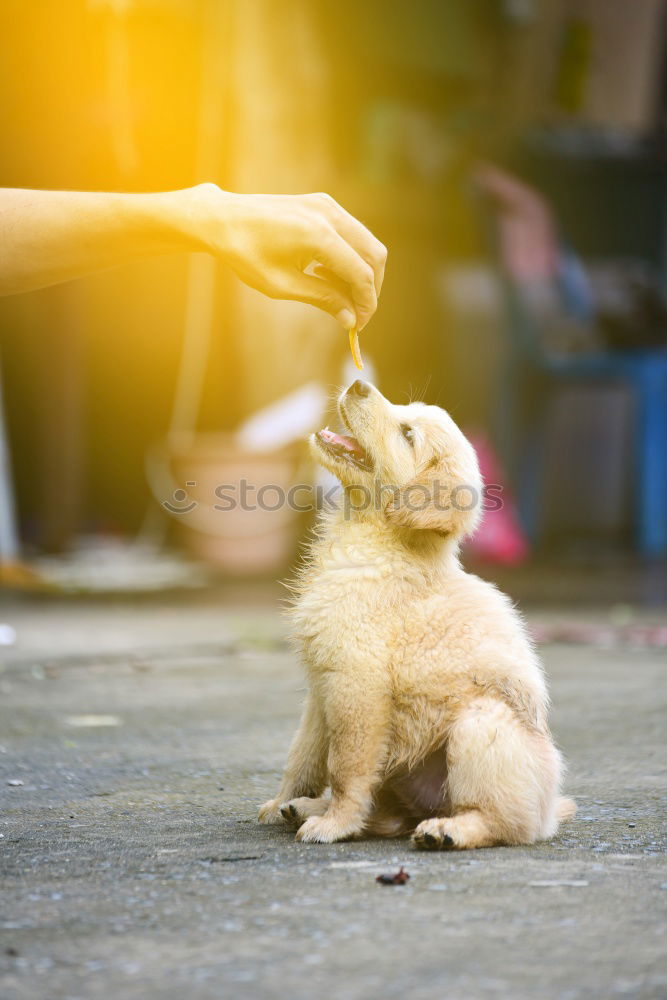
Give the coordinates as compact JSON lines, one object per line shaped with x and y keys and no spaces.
{"x":342,"y":441}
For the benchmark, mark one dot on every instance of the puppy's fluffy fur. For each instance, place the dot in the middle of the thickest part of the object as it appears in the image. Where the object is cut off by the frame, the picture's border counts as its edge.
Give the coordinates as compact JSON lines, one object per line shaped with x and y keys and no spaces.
{"x":427,"y":707}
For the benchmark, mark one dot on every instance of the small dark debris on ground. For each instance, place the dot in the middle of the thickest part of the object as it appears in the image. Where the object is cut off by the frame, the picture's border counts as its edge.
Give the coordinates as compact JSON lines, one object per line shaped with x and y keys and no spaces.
{"x":398,"y":878}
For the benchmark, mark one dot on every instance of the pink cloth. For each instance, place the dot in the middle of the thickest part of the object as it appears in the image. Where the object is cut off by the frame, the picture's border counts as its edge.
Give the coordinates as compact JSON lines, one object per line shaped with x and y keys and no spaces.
{"x":499,"y":539}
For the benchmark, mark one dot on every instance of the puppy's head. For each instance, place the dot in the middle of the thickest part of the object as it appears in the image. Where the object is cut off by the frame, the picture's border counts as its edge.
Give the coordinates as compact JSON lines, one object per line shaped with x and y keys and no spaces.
{"x":412,"y":462}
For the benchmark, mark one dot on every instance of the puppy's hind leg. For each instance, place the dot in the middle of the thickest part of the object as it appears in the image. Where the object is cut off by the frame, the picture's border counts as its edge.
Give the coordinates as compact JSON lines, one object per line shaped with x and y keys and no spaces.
{"x":502,"y":781}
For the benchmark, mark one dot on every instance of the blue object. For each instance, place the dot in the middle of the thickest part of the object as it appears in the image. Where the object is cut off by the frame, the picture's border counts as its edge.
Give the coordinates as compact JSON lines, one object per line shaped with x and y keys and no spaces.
{"x":643,"y":371}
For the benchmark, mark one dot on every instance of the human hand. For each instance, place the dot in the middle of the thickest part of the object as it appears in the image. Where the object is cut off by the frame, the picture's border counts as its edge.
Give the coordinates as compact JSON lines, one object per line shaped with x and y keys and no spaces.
{"x":303,"y":247}
{"x":527,"y":230}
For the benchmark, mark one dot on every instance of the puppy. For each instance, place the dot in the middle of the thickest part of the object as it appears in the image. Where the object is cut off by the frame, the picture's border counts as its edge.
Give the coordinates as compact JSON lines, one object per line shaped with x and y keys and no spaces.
{"x":427,"y":707}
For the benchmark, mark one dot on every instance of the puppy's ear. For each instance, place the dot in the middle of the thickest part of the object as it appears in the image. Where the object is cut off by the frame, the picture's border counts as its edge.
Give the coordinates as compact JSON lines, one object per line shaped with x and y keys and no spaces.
{"x":445,"y":497}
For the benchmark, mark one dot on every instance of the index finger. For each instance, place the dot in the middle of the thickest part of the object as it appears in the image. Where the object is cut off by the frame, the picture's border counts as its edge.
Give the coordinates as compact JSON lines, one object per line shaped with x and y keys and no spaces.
{"x":366,"y":245}
{"x":336,"y":254}
{"x":360,"y":239}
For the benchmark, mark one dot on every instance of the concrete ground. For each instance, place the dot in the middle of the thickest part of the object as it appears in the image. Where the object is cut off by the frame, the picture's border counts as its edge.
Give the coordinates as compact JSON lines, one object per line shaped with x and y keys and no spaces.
{"x":139,"y":739}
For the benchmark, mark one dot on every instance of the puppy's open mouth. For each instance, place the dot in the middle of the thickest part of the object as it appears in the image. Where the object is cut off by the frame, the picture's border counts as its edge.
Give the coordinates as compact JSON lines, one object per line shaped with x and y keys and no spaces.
{"x":345,"y":447}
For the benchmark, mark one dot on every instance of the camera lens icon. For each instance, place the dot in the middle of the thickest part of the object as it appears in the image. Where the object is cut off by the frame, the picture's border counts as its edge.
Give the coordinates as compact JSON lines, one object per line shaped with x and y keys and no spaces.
{"x":180,"y":496}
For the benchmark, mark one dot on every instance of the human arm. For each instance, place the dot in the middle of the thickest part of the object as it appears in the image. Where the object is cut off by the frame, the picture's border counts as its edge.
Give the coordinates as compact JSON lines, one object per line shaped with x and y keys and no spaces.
{"x":303,"y":247}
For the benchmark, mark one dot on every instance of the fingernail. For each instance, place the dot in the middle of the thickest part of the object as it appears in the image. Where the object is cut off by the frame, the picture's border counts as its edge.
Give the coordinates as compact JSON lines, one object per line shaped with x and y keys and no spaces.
{"x":347,"y":319}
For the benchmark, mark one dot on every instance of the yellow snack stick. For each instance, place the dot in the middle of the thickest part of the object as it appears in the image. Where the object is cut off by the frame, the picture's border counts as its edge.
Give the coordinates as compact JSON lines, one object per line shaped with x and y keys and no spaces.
{"x":354,"y":347}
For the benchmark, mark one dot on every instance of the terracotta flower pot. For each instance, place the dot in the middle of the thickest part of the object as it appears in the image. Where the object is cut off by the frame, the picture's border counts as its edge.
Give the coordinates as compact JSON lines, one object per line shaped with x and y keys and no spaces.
{"x":234,"y":508}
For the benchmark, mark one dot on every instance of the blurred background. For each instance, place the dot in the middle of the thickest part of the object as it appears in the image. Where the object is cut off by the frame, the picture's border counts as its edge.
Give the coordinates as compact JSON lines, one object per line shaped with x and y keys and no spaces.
{"x":511,"y":154}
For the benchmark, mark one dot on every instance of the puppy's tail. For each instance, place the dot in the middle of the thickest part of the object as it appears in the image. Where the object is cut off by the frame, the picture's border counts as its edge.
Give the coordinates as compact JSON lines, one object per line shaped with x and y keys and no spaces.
{"x":565,"y":809}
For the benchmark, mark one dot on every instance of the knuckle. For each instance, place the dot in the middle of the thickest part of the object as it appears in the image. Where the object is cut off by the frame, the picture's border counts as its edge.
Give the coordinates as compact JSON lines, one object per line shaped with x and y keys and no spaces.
{"x":311,"y":230}
{"x":321,"y":198}
{"x":367,"y":278}
{"x":378,"y":256}
{"x":367,"y":307}
{"x":316,"y":231}
{"x":381,"y":253}
{"x":328,"y":238}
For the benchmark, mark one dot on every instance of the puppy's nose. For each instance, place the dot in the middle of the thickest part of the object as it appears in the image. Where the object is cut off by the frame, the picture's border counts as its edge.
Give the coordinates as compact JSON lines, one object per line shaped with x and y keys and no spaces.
{"x":359,"y":388}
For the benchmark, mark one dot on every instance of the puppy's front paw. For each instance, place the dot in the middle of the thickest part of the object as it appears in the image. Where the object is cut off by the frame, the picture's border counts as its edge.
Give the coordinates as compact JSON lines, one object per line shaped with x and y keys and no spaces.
{"x":270,"y":812}
{"x":434,"y":835}
{"x":296,"y":811}
{"x":324,"y":830}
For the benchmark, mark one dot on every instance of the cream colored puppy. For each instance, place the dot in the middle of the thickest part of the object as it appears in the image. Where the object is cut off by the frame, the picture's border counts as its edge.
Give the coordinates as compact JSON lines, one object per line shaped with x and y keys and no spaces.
{"x":427,"y":707}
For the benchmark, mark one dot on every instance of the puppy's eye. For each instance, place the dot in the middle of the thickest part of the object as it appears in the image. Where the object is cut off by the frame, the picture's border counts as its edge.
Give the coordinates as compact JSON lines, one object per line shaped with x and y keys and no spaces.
{"x":408,"y":434}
